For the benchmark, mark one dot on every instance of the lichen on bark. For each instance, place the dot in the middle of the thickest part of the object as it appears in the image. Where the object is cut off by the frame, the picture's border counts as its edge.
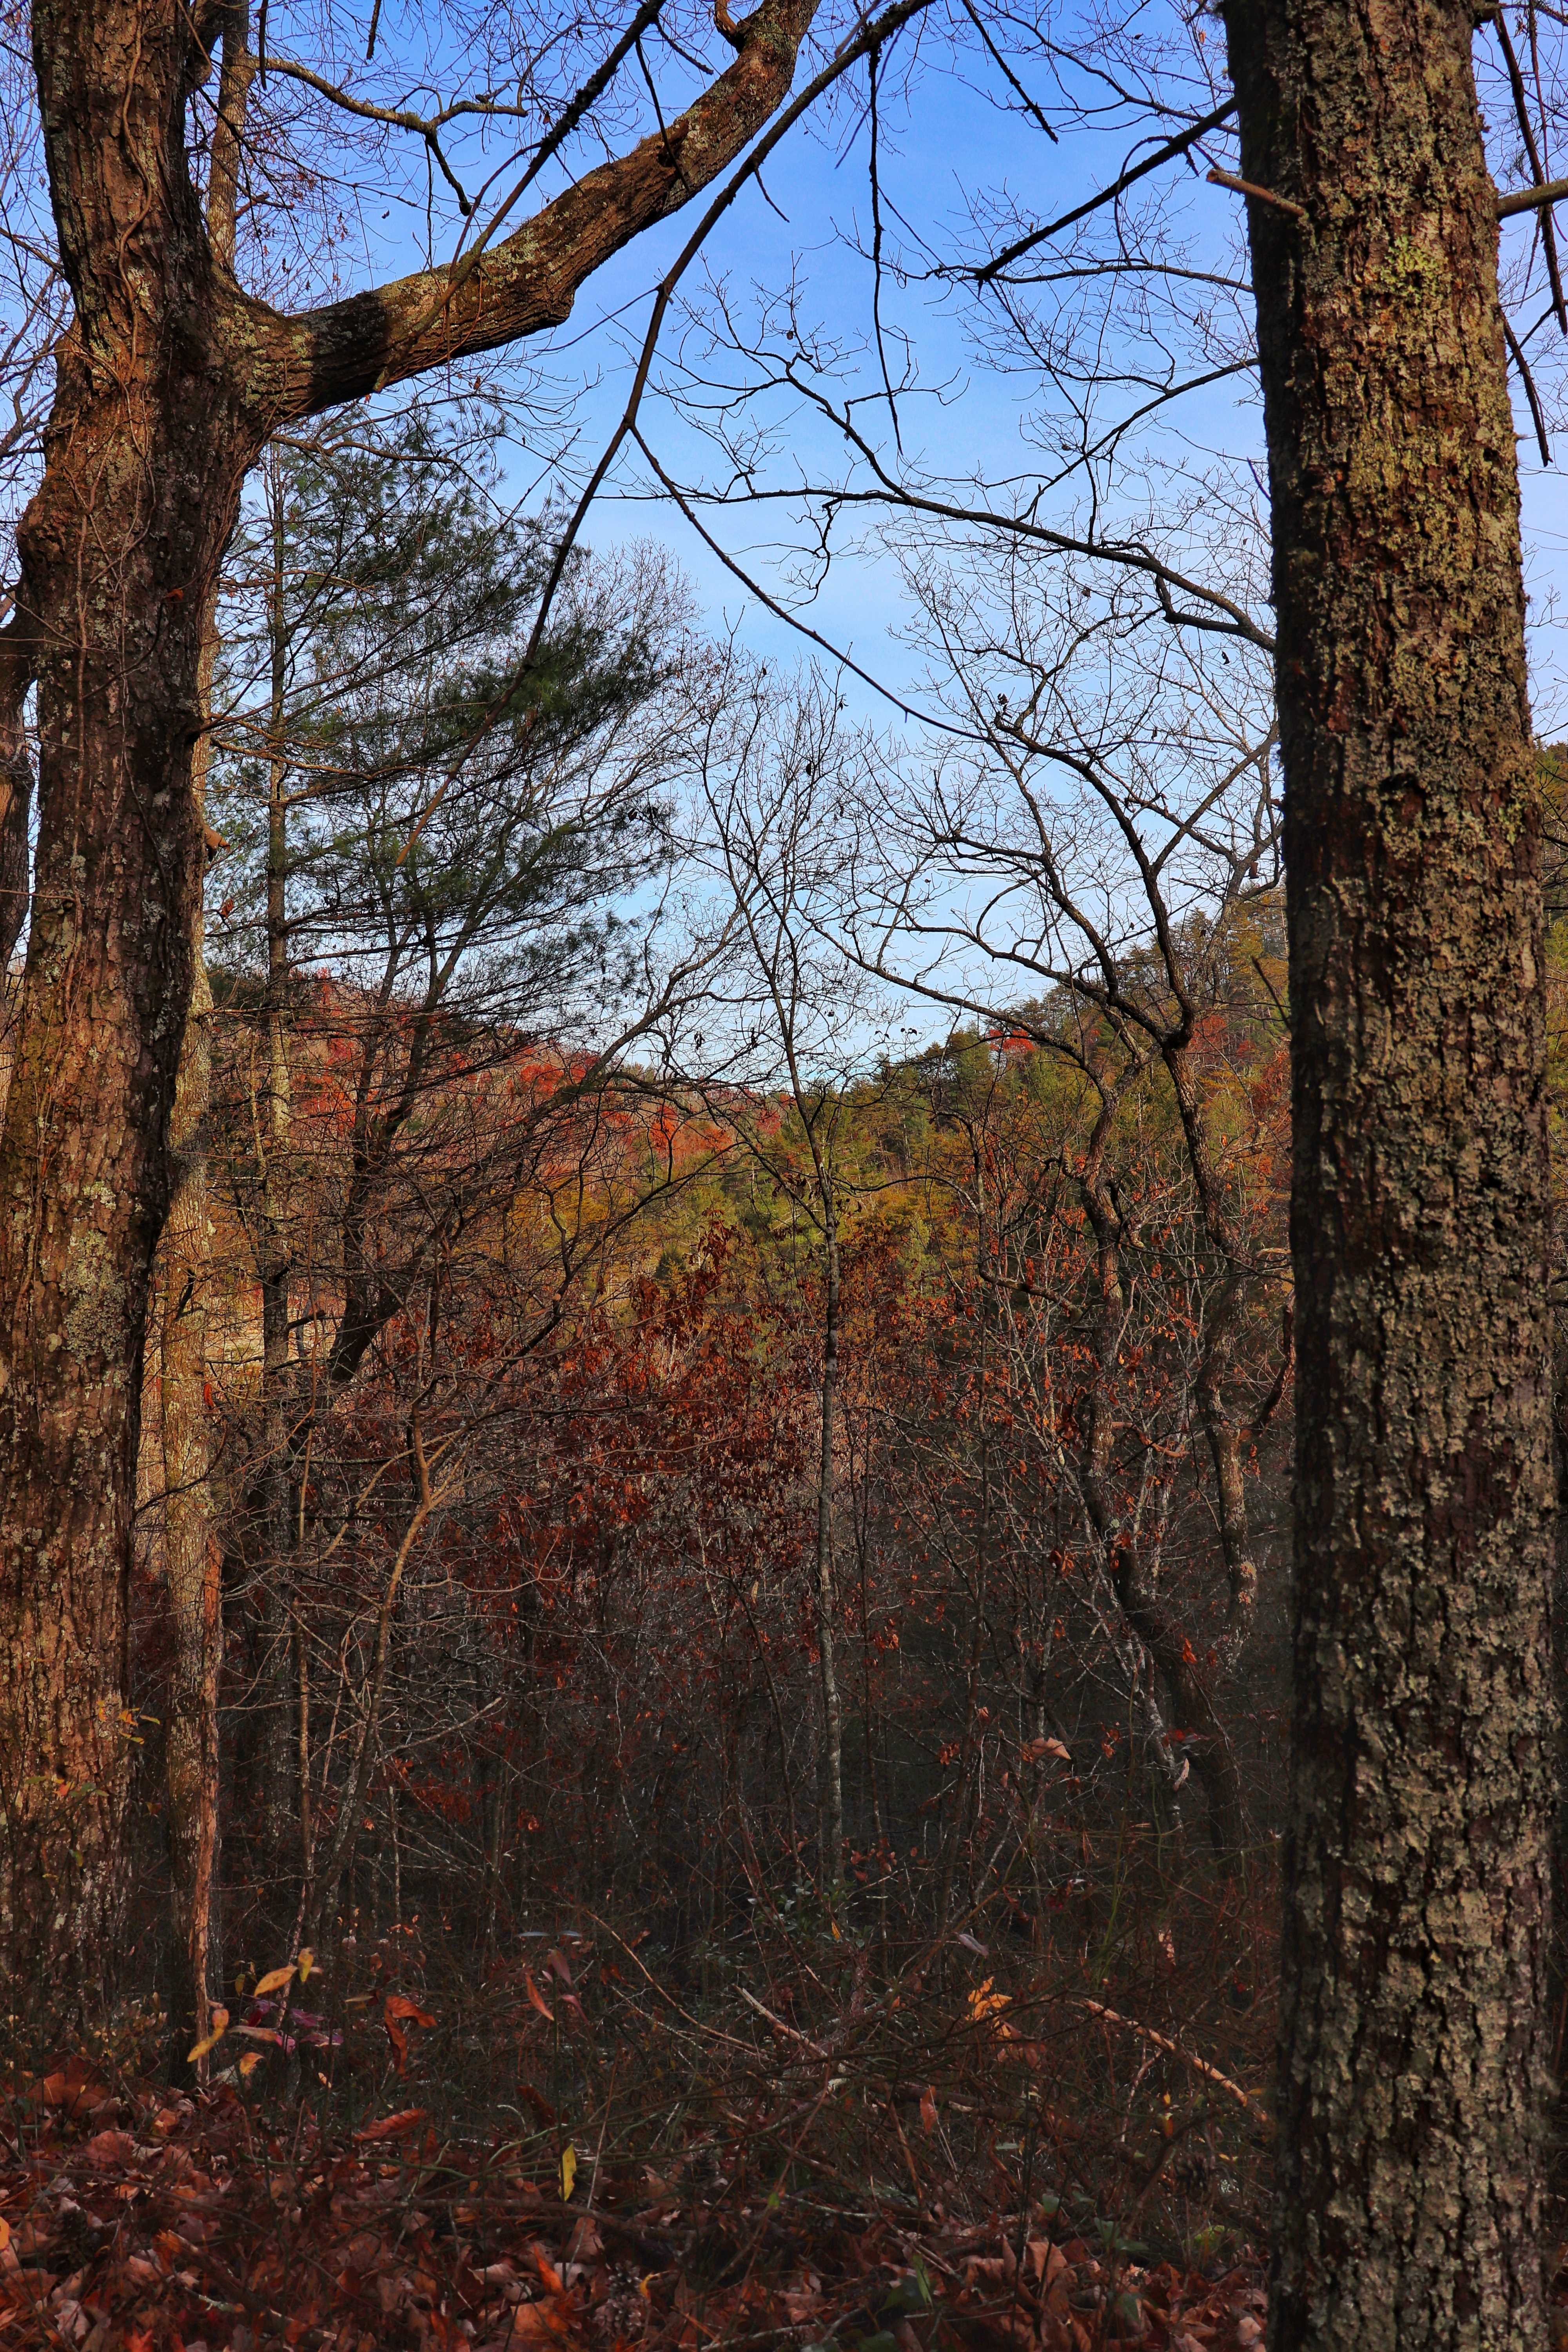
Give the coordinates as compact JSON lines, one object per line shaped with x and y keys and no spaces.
{"x":1412,"y":2053}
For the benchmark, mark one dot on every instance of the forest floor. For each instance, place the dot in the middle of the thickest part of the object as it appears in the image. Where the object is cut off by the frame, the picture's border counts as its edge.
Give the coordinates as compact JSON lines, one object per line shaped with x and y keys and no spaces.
{"x":154,"y":2223}
{"x":788,"y":2147}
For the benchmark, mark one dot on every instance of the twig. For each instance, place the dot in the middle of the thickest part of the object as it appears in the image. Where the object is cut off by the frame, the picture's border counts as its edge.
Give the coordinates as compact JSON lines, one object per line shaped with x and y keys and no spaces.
{"x":779,"y":2026}
{"x":1516,"y":354}
{"x":872,"y":34}
{"x":1174,"y":2048}
{"x":1259,"y":195}
{"x":1150,"y":162}
{"x":1525,"y":200}
{"x":1537,"y":164}
{"x":656,"y":2251}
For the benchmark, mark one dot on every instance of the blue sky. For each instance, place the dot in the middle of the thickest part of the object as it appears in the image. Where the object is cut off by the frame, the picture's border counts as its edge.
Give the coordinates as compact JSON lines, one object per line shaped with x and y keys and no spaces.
{"x":949,"y":145}
{"x":939,"y":153}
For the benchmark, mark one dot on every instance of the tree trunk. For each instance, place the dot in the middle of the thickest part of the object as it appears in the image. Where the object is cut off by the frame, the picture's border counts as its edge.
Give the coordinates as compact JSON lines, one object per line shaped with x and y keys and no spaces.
{"x":192,"y":1562}
{"x":1169,"y":1653}
{"x":118,"y":550}
{"x":830,"y":1779}
{"x":1414,"y":1945}
{"x":279,"y":1745}
{"x":969,"y":1743}
{"x":16,"y":800}
{"x":337,"y":1863}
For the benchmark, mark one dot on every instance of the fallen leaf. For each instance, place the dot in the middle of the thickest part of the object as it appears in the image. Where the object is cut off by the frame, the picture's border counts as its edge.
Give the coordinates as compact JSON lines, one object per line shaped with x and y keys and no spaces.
{"x":537,"y":2102}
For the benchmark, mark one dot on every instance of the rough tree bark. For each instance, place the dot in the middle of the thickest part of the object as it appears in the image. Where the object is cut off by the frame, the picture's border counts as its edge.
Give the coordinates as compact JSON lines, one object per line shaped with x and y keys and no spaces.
{"x":170,"y":382}
{"x":16,"y":794}
{"x":145,"y":452}
{"x":192,"y":1562}
{"x":1412,"y":2055}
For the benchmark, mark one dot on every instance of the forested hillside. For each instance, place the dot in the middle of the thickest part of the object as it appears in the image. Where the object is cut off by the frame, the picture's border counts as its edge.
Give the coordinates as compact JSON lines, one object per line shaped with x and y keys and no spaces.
{"x":550,"y":1592}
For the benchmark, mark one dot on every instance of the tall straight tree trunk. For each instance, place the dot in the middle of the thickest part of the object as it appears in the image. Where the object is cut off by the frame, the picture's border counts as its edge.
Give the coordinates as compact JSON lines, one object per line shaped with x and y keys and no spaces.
{"x":1417,"y":1856}
{"x":192,"y":1562}
{"x":830,"y":1775}
{"x":278,"y":1741}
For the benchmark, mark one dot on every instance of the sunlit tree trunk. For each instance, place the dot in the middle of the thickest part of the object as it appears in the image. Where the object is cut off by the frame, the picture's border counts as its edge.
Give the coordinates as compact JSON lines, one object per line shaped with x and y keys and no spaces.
{"x":193,"y":1563}
{"x":191,"y":1560}
{"x":1416,"y":1861}
{"x":118,"y":550}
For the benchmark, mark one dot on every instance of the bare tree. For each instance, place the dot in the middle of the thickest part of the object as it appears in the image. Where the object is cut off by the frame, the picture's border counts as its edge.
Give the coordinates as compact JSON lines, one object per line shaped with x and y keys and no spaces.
{"x":765,"y":802}
{"x":1079,"y":874}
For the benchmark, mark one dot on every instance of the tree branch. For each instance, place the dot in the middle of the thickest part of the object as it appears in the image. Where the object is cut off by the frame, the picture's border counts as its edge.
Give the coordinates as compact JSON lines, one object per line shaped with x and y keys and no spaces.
{"x":1164,"y":153}
{"x":290,"y":368}
{"x":1526,"y":200}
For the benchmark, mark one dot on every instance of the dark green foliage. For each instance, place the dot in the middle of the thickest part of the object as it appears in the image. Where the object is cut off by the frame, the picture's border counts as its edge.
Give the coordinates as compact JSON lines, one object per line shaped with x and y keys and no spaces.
{"x":464,"y":807}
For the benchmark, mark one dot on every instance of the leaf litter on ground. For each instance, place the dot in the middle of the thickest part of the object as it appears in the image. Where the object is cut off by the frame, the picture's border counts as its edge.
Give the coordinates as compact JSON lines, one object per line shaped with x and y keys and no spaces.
{"x":133,"y":2219}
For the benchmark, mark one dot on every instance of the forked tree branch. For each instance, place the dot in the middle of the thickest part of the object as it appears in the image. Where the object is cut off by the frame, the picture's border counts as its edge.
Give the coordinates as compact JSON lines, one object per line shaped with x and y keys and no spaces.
{"x":290,"y":368}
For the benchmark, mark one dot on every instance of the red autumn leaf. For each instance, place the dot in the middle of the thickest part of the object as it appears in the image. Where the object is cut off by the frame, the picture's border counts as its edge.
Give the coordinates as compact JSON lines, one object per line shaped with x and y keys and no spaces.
{"x":398,"y":2005}
{"x":76,"y":2089}
{"x":544,"y":2323}
{"x":390,"y":2126}
{"x":400,"y":2010}
{"x":536,"y":1997}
